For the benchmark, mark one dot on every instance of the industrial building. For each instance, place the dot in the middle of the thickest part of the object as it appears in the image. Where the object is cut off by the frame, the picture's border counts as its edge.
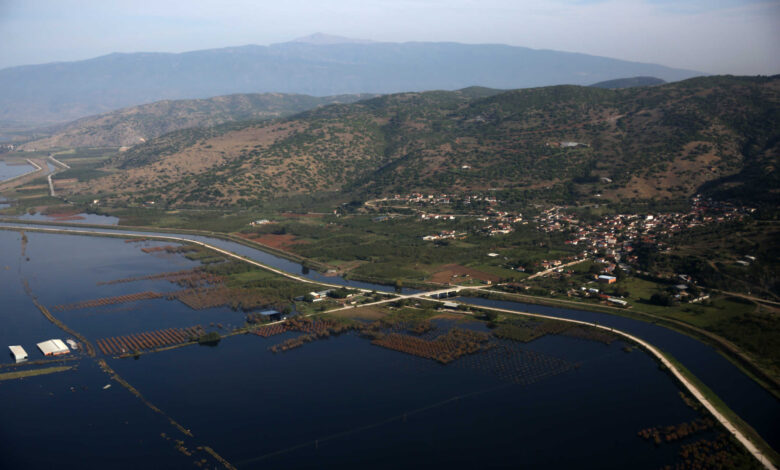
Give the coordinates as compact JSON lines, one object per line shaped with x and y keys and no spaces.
{"x":53,"y":347}
{"x":18,"y":353}
{"x":273,"y":315}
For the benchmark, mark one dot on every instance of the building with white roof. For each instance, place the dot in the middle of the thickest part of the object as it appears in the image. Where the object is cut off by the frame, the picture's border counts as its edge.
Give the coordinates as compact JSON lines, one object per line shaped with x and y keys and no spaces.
{"x":53,"y":347}
{"x":18,"y":353}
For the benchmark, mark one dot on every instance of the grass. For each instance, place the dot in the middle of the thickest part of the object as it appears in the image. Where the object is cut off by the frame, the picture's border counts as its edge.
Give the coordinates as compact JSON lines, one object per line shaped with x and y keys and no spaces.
{"x":32,"y":372}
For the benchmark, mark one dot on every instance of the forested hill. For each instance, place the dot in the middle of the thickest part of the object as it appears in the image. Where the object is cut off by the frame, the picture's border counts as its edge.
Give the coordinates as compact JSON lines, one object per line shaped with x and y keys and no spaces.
{"x":629,"y":82}
{"x":562,"y":143}
{"x":130,"y":126}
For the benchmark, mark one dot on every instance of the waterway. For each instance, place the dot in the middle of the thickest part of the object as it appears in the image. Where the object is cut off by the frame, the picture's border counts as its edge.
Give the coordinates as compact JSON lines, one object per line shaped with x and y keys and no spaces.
{"x":8,"y":171}
{"x":80,"y":218}
{"x":66,"y":269}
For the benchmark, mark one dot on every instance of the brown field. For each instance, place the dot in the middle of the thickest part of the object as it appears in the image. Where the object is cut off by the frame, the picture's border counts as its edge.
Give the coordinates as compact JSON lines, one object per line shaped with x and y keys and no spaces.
{"x":361,"y":313}
{"x":280,"y":242}
{"x":65,"y":182}
{"x":446,"y":272}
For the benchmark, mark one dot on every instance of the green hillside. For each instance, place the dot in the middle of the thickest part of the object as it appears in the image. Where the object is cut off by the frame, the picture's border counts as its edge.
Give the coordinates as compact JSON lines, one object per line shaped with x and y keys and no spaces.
{"x":629,"y":82}
{"x":134,"y":125}
{"x":565,"y":143}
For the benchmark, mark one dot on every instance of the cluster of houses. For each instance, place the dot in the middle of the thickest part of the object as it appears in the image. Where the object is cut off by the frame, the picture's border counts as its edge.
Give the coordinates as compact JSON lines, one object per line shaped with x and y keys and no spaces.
{"x":434,"y":199}
{"x":445,"y":235}
{"x":613,"y":237}
{"x":497,"y":223}
{"x":255,"y":223}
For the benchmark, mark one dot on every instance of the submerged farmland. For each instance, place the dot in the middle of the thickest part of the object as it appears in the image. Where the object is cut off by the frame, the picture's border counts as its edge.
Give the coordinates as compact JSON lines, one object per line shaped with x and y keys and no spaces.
{"x":413,"y":387}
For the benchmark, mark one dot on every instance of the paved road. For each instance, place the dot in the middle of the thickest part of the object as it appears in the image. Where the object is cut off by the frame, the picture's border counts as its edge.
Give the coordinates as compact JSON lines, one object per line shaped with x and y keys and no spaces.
{"x":548,"y":271}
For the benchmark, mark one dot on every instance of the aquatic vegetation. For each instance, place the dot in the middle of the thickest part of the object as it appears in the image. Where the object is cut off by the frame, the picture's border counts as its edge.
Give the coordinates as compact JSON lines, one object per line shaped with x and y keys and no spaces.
{"x":149,"y":340}
{"x":109,"y":301}
{"x":32,"y":372}
{"x":444,"y":349}
{"x":590,"y":334}
{"x":237,"y":298}
{"x":675,"y":432}
{"x":510,"y":363}
{"x":211,"y":338}
{"x":187,"y":278}
{"x":528,"y":330}
{"x":716,"y":454}
{"x":314,"y":329}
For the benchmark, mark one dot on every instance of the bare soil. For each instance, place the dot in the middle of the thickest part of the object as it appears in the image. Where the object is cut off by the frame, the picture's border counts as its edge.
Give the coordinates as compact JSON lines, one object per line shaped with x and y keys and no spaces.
{"x":448,"y":272}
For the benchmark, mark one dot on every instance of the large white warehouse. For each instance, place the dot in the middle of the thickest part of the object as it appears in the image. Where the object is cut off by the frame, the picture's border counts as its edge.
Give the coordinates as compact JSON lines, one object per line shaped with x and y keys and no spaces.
{"x":53,"y":347}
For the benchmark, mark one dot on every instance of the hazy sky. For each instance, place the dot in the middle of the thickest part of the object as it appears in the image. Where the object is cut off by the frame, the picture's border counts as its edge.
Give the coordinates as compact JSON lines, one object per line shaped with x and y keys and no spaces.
{"x":716,"y":36}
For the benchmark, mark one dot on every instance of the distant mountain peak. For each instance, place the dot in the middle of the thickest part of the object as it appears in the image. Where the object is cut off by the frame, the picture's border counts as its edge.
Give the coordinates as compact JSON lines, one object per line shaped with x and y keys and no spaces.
{"x":322,"y":39}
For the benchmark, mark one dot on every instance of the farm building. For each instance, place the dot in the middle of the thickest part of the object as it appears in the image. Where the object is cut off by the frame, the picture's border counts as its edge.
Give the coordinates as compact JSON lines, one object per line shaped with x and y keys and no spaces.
{"x":53,"y":347}
{"x":18,"y":353}
{"x":620,"y":302}
{"x":271,"y":314}
{"x":607,"y":279}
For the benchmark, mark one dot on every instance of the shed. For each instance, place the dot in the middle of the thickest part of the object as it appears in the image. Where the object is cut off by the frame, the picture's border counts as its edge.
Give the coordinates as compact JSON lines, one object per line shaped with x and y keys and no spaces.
{"x":620,"y":302}
{"x":18,"y":353}
{"x":53,"y":347}
{"x":607,"y":279}
{"x":271,"y":314}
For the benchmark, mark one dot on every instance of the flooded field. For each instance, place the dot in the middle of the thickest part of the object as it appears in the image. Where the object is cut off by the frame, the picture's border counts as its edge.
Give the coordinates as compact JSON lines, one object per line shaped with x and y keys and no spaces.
{"x":448,"y":393}
{"x":80,"y":218}
{"x":11,"y":170}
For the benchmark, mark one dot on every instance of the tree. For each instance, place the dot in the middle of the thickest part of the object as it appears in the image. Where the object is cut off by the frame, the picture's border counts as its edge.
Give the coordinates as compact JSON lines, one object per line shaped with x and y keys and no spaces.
{"x":662,"y":298}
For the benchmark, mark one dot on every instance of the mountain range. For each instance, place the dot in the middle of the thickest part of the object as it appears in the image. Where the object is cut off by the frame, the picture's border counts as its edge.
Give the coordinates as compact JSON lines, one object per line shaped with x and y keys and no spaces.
{"x":720,"y":135}
{"x":317,"y":66}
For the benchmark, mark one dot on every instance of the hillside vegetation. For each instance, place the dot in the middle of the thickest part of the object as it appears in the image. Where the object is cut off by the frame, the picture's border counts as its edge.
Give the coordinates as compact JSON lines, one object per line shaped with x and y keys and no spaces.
{"x":131,"y":126}
{"x":564,"y":143}
{"x":629,"y":82}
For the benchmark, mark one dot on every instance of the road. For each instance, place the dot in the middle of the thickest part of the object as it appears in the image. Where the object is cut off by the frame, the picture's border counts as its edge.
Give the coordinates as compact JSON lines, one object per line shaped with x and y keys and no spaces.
{"x":548,"y":271}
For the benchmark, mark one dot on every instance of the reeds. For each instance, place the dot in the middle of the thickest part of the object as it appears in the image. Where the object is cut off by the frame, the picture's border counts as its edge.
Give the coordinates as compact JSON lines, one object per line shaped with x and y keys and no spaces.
{"x":149,"y":340}
{"x":104,"y":301}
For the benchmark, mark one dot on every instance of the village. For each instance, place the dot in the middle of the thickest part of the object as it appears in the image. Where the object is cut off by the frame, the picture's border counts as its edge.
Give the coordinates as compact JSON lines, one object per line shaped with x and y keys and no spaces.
{"x":611,"y":242}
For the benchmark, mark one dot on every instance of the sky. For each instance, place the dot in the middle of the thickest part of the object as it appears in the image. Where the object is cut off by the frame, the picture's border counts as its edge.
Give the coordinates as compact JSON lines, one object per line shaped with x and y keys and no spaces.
{"x":740,"y":37}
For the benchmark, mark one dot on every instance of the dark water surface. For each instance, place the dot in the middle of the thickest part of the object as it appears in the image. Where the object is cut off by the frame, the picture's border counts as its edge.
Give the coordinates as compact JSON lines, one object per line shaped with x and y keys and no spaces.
{"x":81,"y":218}
{"x":743,"y":395}
{"x":9,"y":171}
{"x":337,"y":402}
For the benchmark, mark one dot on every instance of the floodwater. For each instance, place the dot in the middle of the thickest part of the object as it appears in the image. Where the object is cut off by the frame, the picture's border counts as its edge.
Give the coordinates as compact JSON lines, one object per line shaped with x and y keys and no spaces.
{"x":743,"y":395}
{"x":9,"y":171}
{"x":752,"y":403}
{"x":80,"y":218}
{"x":337,"y":402}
